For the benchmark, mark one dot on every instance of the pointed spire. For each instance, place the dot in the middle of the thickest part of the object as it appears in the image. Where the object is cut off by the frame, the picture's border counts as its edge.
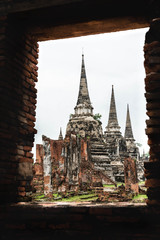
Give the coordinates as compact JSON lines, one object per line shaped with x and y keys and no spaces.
{"x":83,"y":95}
{"x":84,"y":106}
{"x":112,"y":120}
{"x":128,"y":129}
{"x":60,"y":135}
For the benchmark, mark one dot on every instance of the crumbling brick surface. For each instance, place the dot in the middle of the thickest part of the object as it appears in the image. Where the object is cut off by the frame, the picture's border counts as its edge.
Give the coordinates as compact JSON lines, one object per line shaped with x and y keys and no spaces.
{"x":58,"y":167}
{"x":130,"y":173}
{"x":38,"y":179}
{"x":152,"y":87}
{"x":65,"y":165}
{"x":18,"y":74}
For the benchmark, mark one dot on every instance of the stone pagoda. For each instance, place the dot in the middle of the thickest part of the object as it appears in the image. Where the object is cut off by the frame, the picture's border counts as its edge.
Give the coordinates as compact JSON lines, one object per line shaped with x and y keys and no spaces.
{"x":82,"y":122}
{"x":132,"y":149}
{"x":84,"y":125}
{"x":85,"y":158}
{"x":115,"y":142}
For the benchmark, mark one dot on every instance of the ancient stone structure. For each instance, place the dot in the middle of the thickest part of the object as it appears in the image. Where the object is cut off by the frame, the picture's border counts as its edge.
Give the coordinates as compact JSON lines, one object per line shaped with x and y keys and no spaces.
{"x":115,"y":142}
{"x":66,"y":166}
{"x":80,"y":161}
{"x":84,"y":125}
{"x":132,"y":148}
{"x":38,"y":172}
{"x":104,"y":154}
{"x":22,"y":24}
{"x":120,"y":147}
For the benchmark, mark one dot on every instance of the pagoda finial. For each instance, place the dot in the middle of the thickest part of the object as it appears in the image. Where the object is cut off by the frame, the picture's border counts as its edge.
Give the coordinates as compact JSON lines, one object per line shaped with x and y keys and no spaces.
{"x":128,"y":130}
{"x":112,"y":120}
{"x":82,"y":51}
{"x":60,"y":135}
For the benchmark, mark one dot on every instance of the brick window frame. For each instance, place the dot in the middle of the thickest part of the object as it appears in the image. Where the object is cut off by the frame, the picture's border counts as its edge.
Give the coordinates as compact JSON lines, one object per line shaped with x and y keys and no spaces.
{"x":18,"y":75}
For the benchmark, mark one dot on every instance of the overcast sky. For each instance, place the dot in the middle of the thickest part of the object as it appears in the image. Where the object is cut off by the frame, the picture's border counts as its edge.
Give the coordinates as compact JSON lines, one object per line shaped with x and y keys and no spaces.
{"x":110,"y":59}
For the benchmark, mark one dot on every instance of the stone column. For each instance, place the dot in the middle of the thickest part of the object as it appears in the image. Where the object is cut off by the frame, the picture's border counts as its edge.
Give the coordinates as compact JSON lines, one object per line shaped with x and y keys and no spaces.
{"x":38,"y":178}
{"x":130,"y":175}
{"x":47,"y":166}
{"x":152,"y":87}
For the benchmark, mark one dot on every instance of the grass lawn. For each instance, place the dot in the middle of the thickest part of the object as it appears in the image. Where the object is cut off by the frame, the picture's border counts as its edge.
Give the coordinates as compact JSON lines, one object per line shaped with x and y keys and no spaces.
{"x":82,"y":198}
{"x":139,"y":198}
{"x":112,"y":185}
{"x":58,"y":198}
{"x":141,"y":183}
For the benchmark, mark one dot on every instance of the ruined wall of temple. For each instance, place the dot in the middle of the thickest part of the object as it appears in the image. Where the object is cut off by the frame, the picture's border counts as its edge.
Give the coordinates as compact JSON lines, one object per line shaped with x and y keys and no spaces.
{"x":65,"y":165}
{"x":38,"y":178}
{"x":58,"y":165}
{"x":130,"y":173}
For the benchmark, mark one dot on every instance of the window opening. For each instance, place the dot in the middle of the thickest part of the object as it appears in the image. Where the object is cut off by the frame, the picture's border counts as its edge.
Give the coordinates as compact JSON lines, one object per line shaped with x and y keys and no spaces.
{"x":88,"y":163}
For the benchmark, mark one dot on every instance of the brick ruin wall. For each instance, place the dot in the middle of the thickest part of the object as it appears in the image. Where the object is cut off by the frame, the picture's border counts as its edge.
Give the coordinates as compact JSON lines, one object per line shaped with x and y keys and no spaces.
{"x":130,"y":174}
{"x":152,"y":87}
{"x":38,"y":178}
{"x":18,"y":76}
{"x":65,"y":165}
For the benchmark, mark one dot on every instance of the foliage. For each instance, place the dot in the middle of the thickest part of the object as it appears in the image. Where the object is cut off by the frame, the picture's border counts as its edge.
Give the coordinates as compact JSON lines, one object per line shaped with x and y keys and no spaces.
{"x":70,"y":116}
{"x":97,"y":117}
{"x":139,"y":144}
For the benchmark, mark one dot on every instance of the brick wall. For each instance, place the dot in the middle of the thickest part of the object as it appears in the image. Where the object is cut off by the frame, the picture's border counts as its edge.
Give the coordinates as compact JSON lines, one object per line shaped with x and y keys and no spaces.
{"x":90,"y":222}
{"x":152,"y":86}
{"x":18,"y":74}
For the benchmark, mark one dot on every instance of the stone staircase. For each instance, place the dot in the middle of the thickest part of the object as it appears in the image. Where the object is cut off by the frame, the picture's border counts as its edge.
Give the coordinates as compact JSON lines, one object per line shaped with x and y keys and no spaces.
{"x":101,"y":160}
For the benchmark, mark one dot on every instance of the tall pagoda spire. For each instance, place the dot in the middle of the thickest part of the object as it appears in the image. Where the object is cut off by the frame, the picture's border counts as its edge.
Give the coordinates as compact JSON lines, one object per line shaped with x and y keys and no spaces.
{"x":128,"y":130}
{"x":83,"y":103}
{"x":112,"y":120}
{"x":83,"y":95}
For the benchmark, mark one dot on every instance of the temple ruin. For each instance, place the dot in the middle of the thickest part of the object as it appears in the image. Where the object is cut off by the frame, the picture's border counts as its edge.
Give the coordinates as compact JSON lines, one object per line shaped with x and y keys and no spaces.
{"x":86,"y":158}
{"x":22,"y":24}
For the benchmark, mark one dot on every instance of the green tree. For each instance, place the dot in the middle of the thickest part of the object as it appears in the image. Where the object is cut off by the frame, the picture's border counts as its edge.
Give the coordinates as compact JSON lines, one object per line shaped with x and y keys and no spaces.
{"x":97,"y":117}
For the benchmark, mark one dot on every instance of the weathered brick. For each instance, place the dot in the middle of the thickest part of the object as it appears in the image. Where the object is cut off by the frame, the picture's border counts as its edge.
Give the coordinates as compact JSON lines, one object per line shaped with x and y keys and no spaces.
{"x":27,"y":148}
{"x":152,"y":183}
{"x":25,"y":159}
{"x":28,"y":154}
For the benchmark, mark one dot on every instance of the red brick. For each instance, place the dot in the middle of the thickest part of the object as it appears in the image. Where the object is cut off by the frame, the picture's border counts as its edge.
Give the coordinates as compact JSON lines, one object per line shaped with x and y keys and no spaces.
{"x":26,"y":159}
{"x":27,"y":148}
{"x":21,"y":189}
{"x":22,"y":194}
{"x":47,"y":179}
{"x":29,"y":155}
